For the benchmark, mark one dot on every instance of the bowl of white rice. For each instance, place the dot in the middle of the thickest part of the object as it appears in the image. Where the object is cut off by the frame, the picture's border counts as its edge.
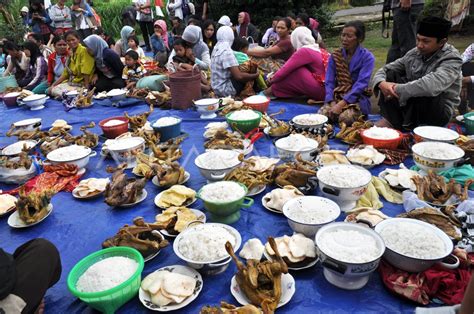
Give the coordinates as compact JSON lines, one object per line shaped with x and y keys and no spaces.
{"x":108,"y":278}
{"x":202,"y":246}
{"x":436,"y":156}
{"x":224,"y":199}
{"x":244,"y":120}
{"x":125,"y":150}
{"x":430,"y":133}
{"x":413,"y":245}
{"x":168,"y":127}
{"x":307,"y":214}
{"x":349,"y":253}
{"x":309,"y":120}
{"x":215,"y":164}
{"x":344,"y":184}
{"x":288,"y":147}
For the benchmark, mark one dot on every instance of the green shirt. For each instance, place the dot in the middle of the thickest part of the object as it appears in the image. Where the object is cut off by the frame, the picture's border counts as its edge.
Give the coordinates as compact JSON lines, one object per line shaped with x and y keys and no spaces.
{"x":241,"y":57}
{"x":80,"y":63}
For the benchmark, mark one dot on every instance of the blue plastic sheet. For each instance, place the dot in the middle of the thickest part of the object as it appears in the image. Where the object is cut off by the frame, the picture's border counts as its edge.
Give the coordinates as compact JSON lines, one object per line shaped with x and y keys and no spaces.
{"x":78,"y":228}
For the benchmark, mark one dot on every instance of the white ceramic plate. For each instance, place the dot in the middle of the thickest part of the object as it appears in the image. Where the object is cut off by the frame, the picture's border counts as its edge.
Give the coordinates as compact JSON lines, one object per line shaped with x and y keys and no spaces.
{"x":200,"y":217}
{"x":264,"y":203}
{"x":287,"y":290}
{"x":183,"y":270}
{"x":14,"y":220}
{"x":256,"y":190}
{"x":27,"y":122}
{"x":16,"y":148}
{"x":186,"y":178}
{"x":186,"y":204}
{"x":89,"y":196}
{"x":309,"y":265}
{"x":140,"y":198}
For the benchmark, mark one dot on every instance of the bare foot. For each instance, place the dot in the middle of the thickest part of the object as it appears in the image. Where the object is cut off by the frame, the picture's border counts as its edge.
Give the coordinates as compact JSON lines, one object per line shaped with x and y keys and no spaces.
{"x":383,"y":123}
{"x":40,"y":309}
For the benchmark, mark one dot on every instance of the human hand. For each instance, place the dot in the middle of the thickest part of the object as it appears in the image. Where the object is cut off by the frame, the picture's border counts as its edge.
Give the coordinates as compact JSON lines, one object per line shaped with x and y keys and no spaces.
{"x":190,"y":54}
{"x":388,"y":89}
{"x":94,"y":79}
{"x":336,"y":108}
{"x":405,"y":5}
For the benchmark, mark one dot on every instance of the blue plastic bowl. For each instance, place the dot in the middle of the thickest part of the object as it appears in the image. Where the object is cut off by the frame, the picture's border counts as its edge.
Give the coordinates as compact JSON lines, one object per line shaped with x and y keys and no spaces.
{"x":168,"y":132}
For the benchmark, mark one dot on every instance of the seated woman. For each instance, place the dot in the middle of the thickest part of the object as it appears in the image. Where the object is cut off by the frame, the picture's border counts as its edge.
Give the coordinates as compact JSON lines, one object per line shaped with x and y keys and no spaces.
{"x":121,"y":46}
{"x":245,"y":28}
{"x":108,"y":66}
{"x":271,"y":59}
{"x":17,"y":61}
{"x":79,"y":67}
{"x":348,"y":77}
{"x":160,"y":42}
{"x":56,"y":64}
{"x":199,"y":54}
{"x":303,"y":74}
{"x":226,"y":78}
{"x":35,"y":74}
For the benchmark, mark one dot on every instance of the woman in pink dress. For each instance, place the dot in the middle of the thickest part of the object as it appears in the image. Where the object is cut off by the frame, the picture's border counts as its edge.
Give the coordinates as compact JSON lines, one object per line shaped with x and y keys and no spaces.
{"x":303,"y":74}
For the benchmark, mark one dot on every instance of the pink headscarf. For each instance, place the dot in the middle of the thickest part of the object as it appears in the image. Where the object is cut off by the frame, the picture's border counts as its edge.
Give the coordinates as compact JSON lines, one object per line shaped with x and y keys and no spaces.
{"x":313,"y":24}
{"x":243,"y":26}
{"x":164,"y":31}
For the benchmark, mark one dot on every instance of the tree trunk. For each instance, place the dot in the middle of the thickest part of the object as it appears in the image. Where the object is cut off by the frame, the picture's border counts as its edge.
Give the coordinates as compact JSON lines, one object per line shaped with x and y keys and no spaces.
{"x":7,"y":16}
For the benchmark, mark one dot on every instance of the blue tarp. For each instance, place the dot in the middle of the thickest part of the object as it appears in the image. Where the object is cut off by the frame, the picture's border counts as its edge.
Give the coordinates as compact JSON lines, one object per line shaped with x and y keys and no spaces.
{"x":78,"y":228}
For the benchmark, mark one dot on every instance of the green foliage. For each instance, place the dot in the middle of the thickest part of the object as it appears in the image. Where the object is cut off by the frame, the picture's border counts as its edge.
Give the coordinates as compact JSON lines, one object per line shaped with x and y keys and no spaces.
{"x":435,"y":8}
{"x":110,"y":12}
{"x":324,"y":16}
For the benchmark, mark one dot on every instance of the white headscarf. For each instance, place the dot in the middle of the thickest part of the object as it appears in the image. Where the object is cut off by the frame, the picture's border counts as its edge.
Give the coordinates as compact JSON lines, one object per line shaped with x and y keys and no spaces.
{"x":302,"y":37}
{"x":193,"y":35}
{"x":225,"y":20}
{"x":225,"y":38}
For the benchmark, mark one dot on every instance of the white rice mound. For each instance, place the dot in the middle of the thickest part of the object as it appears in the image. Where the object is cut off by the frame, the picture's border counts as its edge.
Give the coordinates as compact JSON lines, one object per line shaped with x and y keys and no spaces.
{"x":216,"y":159}
{"x":243,"y":115}
{"x":297,"y":142}
{"x":205,"y":243}
{"x":222,"y":192}
{"x":381,"y":133}
{"x":350,"y":246}
{"x":166,"y":121}
{"x":256,"y":99}
{"x":310,"y":119}
{"x":114,"y":122}
{"x":441,"y":151}
{"x":106,"y":274}
{"x":344,"y":176}
{"x":316,"y":214}
{"x":413,"y":240}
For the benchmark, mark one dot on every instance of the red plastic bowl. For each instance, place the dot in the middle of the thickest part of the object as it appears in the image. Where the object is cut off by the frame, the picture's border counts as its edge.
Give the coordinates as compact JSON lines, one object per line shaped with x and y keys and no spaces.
{"x":378,"y":143}
{"x":262,"y":107}
{"x":116,"y":130}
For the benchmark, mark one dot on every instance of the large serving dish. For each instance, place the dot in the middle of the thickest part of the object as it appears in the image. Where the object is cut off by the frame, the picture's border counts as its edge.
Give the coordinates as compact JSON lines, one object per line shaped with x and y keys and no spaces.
{"x":344,"y":274}
{"x":435,"y":134}
{"x":74,"y":154}
{"x":436,"y":156}
{"x":15,"y":221}
{"x":17,"y":176}
{"x":16,"y":148}
{"x":344,"y":184}
{"x":213,"y":266}
{"x":125,"y":150}
{"x":27,"y":124}
{"x":309,"y":121}
{"x":35,"y":102}
{"x":207,"y":107}
{"x":408,"y":263}
{"x":289,"y":154}
{"x":226,"y":161}
{"x":311,"y":206}
{"x":145,"y":298}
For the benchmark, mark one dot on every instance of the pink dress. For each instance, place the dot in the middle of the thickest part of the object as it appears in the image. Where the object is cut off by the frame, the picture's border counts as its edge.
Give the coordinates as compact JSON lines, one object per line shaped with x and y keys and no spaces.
{"x":302,"y":75}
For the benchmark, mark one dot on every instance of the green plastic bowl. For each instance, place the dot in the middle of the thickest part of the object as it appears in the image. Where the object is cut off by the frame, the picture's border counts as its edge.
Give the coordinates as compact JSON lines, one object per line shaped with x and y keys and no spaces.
{"x":244,"y":126}
{"x":469,"y":123}
{"x":226,"y":212}
{"x":107,"y":301}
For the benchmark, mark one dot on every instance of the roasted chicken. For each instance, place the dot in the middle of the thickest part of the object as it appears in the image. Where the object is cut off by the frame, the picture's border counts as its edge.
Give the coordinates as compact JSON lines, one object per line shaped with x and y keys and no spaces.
{"x":23,"y":160}
{"x":245,"y":175}
{"x":351,"y":134}
{"x":226,"y":308}
{"x":138,"y":121}
{"x":224,"y":139}
{"x":296,"y":173}
{"x":169,"y":151}
{"x":277,"y":128}
{"x":122,"y":190}
{"x":433,"y":188}
{"x":33,"y":206}
{"x":261,"y":281}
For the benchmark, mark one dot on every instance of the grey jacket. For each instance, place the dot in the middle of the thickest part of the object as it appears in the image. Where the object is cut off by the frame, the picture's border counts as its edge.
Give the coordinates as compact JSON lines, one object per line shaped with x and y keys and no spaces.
{"x":438,"y":75}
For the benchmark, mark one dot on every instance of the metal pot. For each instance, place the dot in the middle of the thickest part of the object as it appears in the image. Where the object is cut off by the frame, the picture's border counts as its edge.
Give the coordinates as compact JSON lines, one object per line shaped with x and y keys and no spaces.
{"x":81,"y":155}
{"x":290,"y":155}
{"x":345,"y":275}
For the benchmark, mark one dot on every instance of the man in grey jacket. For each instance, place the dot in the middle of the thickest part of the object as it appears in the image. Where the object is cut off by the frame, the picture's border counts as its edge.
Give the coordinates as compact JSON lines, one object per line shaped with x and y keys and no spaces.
{"x":423,"y":87}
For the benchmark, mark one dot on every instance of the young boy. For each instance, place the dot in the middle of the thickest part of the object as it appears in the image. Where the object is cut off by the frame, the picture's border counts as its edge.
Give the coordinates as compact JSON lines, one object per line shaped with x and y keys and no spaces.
{"x":180,"y":60}
{"x":133,"y":70}
{"x":240,"y":47}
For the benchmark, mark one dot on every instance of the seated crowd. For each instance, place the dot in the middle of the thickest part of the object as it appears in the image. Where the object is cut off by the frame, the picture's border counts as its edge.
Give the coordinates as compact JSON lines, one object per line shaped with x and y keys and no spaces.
{"x":288,"y":60}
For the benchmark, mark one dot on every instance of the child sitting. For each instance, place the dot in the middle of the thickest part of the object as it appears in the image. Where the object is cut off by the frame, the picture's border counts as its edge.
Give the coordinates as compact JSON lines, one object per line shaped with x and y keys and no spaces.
{"x":240,"y":47}
{"x":180,"y":61}
{"x":134,"y":44}
{"x":133,"y":70}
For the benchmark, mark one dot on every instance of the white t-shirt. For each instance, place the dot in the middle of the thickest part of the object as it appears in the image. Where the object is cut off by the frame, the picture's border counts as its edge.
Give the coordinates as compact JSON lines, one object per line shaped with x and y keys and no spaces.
{"x":139,"y":3}
{"x":139,"y":50}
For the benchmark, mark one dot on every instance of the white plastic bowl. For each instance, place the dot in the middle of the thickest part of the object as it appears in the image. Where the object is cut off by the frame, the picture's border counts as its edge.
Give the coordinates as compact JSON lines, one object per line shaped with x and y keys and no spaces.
{"x":314,"y":203}
{"x":35,"y":102}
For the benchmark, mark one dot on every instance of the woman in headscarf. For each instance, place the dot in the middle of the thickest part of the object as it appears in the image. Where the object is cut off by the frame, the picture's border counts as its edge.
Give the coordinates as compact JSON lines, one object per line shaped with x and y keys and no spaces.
{"x":160,"y":43}
{"x":245,"y":28}
{"x":271,"y":59}
{"x":226,"y":78}
{"x":109,"y":67}
{"x":121,"y":46}
{"x":348,"y":77}
{"x":209,"y":34}
{"x":78,"y":69}
{"x":199,"y":53}
{"x":224,"y":21}
{"x":303,"y":74}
